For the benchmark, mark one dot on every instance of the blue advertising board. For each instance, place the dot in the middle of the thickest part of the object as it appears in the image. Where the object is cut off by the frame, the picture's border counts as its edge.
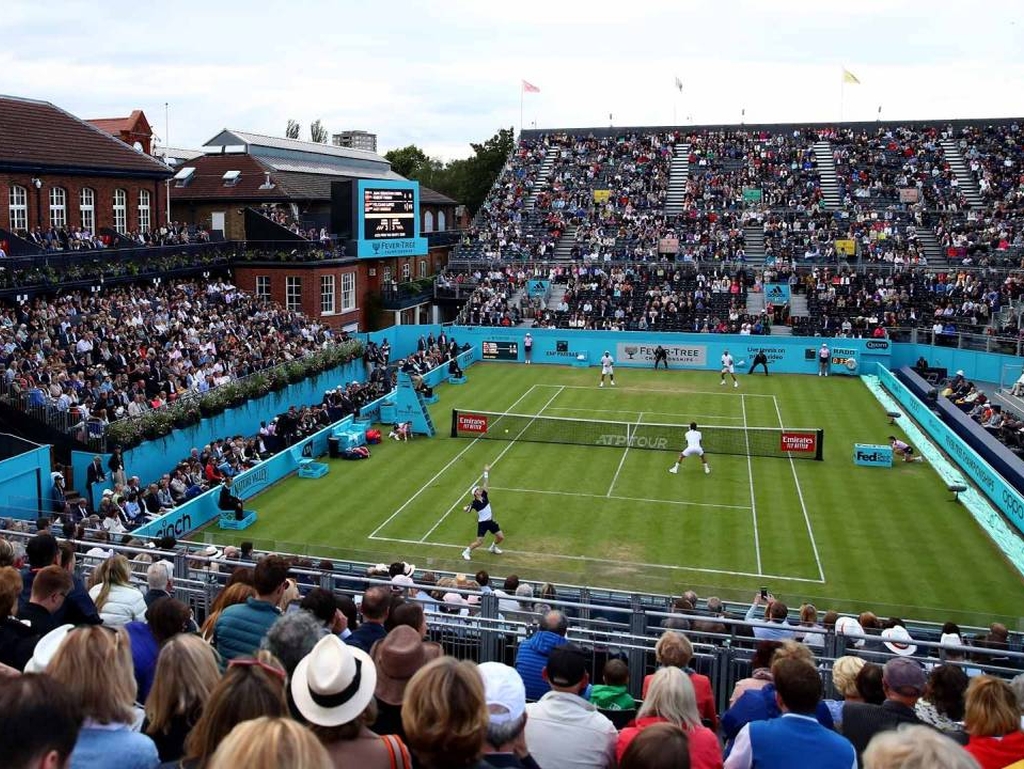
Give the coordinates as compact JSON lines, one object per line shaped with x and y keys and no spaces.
{"x":535,"y":287}
{"x":776,"y":293}
{"x":872,"y":455}
{"x":387,"y":219}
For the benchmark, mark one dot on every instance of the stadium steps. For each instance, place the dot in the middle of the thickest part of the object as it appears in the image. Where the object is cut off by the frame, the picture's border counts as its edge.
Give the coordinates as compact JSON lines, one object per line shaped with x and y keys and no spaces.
{"x":755,"y":302}
{"x":933,"y":253}
{"x":964,"y":177}
{"x":679,"y":176}
{"x":563,"y":250}
{"x":557,"y":293}
{"x":798,"y":306}
{"x":753,"y":244}
{"x":543,"y":173}
{"x":781,"y":329}
{"x":827,"y":172}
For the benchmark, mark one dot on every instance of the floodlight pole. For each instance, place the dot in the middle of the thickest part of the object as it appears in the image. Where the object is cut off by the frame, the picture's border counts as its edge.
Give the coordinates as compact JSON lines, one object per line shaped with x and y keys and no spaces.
{"x":167,"y":182}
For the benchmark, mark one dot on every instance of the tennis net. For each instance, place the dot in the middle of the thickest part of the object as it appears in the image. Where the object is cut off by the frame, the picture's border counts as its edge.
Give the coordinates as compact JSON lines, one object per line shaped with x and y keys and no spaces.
{"x":798,"y":443}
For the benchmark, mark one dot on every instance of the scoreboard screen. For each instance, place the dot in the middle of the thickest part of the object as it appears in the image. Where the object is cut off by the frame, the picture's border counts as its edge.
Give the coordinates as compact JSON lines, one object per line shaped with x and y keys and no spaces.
{"x":388,"y":214}
{"x":500,"y":350}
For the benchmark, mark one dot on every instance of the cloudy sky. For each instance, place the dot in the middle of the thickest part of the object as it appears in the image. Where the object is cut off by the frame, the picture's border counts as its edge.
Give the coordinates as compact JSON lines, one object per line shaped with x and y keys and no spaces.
{"x":443,"y":73}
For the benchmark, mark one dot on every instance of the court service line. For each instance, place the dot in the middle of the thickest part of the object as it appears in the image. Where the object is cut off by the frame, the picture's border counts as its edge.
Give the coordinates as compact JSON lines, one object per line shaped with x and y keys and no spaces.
{"x":610,"y":562}
{"x":800,"y":494}
{"x":622,"y":499}
{"x":750,"y":477}
{"x":687,"y":416}
{"x":441,"y":472}
{"x":677,"y":391}
{"x":504,"y":451}
{"x":625,"y":453}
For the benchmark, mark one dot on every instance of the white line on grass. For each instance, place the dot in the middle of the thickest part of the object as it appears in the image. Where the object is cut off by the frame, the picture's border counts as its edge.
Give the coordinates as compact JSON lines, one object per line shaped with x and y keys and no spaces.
{"x":750,"y":477}
{"x":441,"y":472}
{"x":625,"y":453}
{"x":687,"y":416}
{"x":609,"y":562}
{"x":800,"y":494}
{"x":503,"y":453}
{"x":624,"y":499}
{"x":677,"y":391}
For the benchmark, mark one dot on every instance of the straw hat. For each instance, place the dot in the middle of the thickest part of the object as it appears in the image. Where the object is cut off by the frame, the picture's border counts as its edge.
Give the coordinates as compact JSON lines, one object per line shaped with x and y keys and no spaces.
{"x":334,"y":683}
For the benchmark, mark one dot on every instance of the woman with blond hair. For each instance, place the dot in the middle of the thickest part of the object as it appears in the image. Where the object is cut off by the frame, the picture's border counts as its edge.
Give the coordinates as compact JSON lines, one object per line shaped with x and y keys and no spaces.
{"x":251,"y":687}
{"x":186,"y":674}
{"x":992,"y":721}
{"x":270,"y":743}
{"x":118,"y":601}
{"x":94,"y":665}
{"x":916,"y":747}
{"x":671,"y":699}
{"x":675,"y":650}
{"x":444,"y":715}
{"x":844,"y":681}
{"x":239,"y":592}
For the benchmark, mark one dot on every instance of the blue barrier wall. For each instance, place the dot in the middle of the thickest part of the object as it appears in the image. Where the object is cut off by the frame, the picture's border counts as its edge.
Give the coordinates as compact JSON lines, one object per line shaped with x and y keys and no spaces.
{"x":786,"y":355}
{"x":1003,"y":495}
{"x":25,"y":483}
{"x":977,"y":365}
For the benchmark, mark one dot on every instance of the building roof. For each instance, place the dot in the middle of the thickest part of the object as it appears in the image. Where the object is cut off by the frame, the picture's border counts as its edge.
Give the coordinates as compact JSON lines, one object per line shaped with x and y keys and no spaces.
{"x":256,"y":142}
{"x":177,"y":153}
{"x":134,"y":123}
{"x":38,"y":136}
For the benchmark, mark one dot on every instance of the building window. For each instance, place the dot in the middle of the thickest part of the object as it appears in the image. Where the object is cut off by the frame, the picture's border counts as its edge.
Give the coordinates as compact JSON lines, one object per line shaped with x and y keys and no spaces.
{"x":441,"y":221}
{"x":348,"y":291}
{"x":428,"y":221}
{"x":144,"y":210}
{"x":406,"y":271}
{"x":58,"y":207}
{"x":87,"y":208}
{"x":293,"y":293}
{"x":423,"y":268}
{"x":385,"y":275}
{"x":120,"y":211}
{"x":263,"y":286}
{"x":326,"y":294}
{"x":19,"y":208}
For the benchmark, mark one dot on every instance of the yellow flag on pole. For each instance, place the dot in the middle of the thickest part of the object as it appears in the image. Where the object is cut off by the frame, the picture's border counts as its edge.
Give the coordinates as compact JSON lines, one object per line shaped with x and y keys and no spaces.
{"x":849,"y":77}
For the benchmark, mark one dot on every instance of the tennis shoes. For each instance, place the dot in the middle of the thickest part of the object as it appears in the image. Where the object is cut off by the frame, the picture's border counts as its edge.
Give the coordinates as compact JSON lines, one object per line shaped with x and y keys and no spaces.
{"x":467,"y":554}
{"x":675,"y":469}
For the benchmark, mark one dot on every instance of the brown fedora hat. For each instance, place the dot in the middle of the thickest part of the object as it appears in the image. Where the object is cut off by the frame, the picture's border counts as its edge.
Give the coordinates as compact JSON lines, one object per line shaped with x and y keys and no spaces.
{"x":398,"y":656}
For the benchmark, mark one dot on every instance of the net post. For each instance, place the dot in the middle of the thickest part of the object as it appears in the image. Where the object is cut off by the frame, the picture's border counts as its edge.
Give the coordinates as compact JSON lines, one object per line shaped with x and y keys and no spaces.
{"x":455,"y":423}
{"x":820,"y":453}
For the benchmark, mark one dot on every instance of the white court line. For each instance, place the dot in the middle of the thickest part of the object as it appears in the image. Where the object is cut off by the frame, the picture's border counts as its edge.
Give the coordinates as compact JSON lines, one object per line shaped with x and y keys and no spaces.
{"x":503,"y":453}
{"x":800,"y":494}
{"x":677,"y":391}
{"x":625,"y":453}
{"x":440,"y":472}
{"x":750,"y":476}
{"x":624,"y":499}
{"x":609,"y":562}
{"x":648,"y":413}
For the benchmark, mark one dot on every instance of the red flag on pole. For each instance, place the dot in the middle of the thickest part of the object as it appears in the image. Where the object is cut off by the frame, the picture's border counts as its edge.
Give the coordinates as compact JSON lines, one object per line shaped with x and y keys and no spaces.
{"x":528,"y":88}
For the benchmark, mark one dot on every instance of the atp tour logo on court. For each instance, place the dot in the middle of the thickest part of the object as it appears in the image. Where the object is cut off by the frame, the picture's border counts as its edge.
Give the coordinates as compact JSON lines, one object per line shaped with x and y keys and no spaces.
{"x":694,"y":355}
{"x":633,"y":441}
{"x":472,"y":423}
{"x":802,"y":442}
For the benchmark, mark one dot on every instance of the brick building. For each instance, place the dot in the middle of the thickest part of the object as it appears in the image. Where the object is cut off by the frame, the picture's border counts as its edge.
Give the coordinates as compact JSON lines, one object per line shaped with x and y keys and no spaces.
{"x":58,"y":171}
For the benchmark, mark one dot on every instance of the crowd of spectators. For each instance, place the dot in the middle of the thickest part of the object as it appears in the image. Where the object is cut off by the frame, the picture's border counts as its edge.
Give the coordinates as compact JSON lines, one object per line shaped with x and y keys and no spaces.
{"x":1001,"y":423}
{"x":74,"y":238}
{"x":125,"y":350}
{"x":283,"y":672}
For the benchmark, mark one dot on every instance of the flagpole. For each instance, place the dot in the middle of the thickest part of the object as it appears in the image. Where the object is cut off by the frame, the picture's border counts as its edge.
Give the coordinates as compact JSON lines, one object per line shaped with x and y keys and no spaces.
{"x":522,"y":90}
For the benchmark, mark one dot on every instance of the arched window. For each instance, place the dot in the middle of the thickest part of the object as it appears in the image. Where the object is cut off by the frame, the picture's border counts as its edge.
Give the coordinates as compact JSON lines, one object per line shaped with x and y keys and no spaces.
{"x":58,"y":207}
{"x":87,"y":209}
{"x":120,"y":211}
{"x":18,"y":208}
{"x":144,"y":210}
{"x":428,"y":221}
{"x":441,"y":221}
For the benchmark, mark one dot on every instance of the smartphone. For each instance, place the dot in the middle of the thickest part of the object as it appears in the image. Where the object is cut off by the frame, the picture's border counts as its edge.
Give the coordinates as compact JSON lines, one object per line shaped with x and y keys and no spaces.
{"x":764,"y":592}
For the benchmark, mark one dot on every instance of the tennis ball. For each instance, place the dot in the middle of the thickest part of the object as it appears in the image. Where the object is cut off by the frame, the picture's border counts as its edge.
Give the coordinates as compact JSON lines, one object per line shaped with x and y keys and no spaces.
{"x":506,"y":431}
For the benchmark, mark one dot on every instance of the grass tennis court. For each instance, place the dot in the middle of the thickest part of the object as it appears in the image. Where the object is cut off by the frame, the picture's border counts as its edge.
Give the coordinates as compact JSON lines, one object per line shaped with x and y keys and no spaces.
{"x":842,"y":536}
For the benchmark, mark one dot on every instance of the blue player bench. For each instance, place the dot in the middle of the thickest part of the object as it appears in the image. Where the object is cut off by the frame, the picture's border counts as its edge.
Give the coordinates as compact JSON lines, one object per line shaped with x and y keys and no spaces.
{"x":227,"y":520}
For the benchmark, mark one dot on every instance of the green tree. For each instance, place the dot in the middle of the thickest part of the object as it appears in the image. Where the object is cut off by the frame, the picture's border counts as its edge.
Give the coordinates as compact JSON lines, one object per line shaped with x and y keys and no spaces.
{"x":407,"y":160}
{"x":292,"y":131}
{"x":317,"y":132}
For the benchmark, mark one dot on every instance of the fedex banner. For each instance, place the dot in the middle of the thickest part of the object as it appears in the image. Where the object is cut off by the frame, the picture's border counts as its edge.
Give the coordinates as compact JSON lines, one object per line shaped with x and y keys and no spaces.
{"x":804,"y":443}
{"x":695,"y":355}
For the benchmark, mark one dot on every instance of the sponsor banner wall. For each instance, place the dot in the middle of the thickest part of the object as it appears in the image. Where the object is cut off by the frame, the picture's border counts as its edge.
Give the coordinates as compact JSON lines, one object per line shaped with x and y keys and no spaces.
{"x":786,"y":355}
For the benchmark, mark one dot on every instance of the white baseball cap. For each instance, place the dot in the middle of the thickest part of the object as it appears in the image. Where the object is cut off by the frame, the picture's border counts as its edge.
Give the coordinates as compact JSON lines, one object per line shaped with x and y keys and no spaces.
{"x":504,"y":691}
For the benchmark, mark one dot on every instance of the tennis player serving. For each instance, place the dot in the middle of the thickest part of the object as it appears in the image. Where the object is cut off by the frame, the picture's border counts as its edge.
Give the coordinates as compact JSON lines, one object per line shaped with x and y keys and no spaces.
{"x":693,"y":448}
{"x":484,"y":519}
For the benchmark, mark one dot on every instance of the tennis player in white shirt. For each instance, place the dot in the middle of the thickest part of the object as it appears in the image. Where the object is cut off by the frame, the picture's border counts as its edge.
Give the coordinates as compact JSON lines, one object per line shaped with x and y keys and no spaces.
{"x":729,"y":367}
{"x":694,"y":447}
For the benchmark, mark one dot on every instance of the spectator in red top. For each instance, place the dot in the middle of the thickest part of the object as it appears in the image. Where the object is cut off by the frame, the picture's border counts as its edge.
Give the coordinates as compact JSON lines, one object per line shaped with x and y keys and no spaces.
{"x":675,"y":650}
{"x":213,"y":475}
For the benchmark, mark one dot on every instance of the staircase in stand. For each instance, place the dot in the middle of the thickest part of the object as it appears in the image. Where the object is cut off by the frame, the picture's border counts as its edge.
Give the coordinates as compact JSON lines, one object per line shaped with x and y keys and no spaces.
{"x":827,"y":175}
{"x":753,"y":244}
{"x":930,"y":247}
{"x":965,"y":179}
{"x":678,"y":177}
{"x":543,"y":173}
{"x":557,"y":292}
{"x":755,"y":302}
{"x":563,"y":249}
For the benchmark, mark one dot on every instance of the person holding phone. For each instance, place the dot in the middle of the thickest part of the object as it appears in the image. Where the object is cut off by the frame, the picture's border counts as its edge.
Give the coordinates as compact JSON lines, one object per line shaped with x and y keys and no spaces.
{"x":774,"y":626}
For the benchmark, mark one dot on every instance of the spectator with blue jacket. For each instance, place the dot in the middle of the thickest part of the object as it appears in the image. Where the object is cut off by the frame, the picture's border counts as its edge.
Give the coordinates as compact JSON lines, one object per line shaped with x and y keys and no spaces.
{"x":241,"y":628}
{"x":532,"y":657}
